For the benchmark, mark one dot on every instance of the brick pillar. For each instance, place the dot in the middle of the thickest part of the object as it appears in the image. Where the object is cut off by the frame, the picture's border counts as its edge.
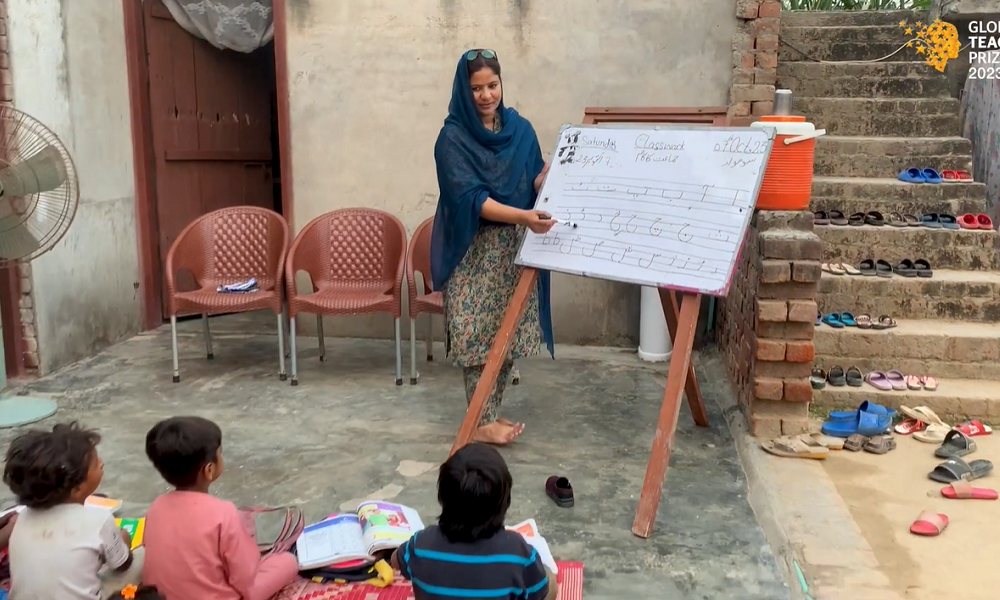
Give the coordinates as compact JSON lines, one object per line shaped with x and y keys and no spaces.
{"x":767,"y":322}
{"x":755,"y":57}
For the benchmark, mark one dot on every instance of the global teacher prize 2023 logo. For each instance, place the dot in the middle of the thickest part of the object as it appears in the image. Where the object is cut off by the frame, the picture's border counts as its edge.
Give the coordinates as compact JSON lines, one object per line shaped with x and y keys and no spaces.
{"x":939,"y":42}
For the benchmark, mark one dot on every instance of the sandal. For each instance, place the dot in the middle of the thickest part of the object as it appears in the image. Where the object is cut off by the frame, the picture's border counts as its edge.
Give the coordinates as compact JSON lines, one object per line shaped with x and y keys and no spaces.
{"x":884,"y":322}
{"x":930,"y":384}
{"x":964,"y":176}
{"x":905,"y":268}
{"x":948,"y":221}
{"x":911,"y":220}
{"x":896,"y":220}
{"x":963,"y":490}
{"x":984,"y":222}
{"x":896,"y":379}
{"x":955,"y":469}
{"x":821,"y":217}
{"x":856,"y":220}
{"x":924,"y":415}
{"x":848,"y":319}
{"x":818,"y":379}
{"x":836,"y":377}
{"x":879,"y":381}
{"x":854,"y":377}
{"x":837,"y":218}
{"x":931,"y":220}
{"x":934,"y":434}
{"x":867,"y":267}
{"x":955,"y":445}
{"x":929,"y":524}
{"x":850,"y":269}
{"x":913,"y":383}
{"x":881,"y":444}
{"x":855,"y":443}
{"x":974,"y":428}
{"x":883,"y":268}
{"x":794,"y":448}
{"x":833,"y":320}
{"x":836,"y":268}
{"x":864,"y":321}
{"x":909,"y":427}
{"x":874,"y":217}
{"x":820,"y":440}
{"x":923,"y":268}
{"x":968,"y":221}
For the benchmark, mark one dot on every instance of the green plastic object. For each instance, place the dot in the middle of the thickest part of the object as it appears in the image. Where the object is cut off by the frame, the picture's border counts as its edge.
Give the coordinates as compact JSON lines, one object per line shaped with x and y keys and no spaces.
{"x":20,"y":410}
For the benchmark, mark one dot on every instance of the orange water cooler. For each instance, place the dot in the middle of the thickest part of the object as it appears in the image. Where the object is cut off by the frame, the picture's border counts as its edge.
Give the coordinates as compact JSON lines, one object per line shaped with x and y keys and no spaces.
{"x":788,"y":177}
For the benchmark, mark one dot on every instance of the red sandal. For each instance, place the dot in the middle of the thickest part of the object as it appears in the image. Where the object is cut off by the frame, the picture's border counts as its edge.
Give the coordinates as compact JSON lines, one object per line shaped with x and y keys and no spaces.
{"x":929,"y":524}
{"x":985,"y":222}
{"x":973,"y":428}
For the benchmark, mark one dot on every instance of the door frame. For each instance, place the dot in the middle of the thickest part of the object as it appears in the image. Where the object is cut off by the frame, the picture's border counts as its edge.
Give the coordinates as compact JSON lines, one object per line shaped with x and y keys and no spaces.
{"x":147,"y":234}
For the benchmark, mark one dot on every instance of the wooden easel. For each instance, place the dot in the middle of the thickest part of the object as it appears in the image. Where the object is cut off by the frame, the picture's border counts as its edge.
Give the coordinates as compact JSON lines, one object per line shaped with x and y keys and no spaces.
{"x":681,"y":379}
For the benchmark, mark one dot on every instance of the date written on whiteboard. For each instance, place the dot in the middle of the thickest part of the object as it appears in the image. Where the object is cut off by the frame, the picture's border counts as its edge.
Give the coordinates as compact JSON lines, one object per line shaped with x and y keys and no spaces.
{"x":740,"y":152}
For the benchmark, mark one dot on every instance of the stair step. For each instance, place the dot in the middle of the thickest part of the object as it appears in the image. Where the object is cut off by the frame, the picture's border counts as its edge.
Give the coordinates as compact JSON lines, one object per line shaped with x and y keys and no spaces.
{"x":840,"y":42}
{"x":862,"y":194}
{"x":909,"y":79}
{"x":949,"y":349}
{"x":959,"y":295}
{"x":954,"y":401}
{"x":840,"y":156}
{"x":922,"y":117}
{"x":964,"y":249}
{"x":848,"y":18}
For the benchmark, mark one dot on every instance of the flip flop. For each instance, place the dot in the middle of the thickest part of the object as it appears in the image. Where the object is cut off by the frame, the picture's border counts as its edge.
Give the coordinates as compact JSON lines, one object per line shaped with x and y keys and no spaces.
{"x":896,"y":379}
{"x":984,"y":222}
{"x":931,"y":176}
{"x":895,"y":220}
{"x":821,"y":217}
{"x":854,"y":377}
{"x":909,"y":427}
{"x":912,"y":175}
{"x":964,"y":176}
{"x":864,"y":321}
{"x":879,"y":381}
{"x":883,"y":268}
{"x":968,"y":221}
{"x":824,"y":441}
{"x":963,"y":490}
{"x":833,"y":320}
{"x":923,"y":268}
{"x":794,"y":448}
{"x":929,"y":524}
{"x":880,"y":444}
{"x":955,"y":469}
{"x":911,"y":220}
{"x":836,"y":377}
{"x":905,"y":268}
{"x":932,"y":220}
{"x":865,"y":423}
{"x":874,"y":217}
{"x":924,"y":415}
{"x":856,"y":220}
{"x":948,"y":221}
{"x":949,"y":176}
{"x":850,"y":269}
{"x":934,"y":434}
{"x":854,"y":443}
{"x":884,"y":322}
{"x":867,"y":267}
{"x":930,"y":384}
{"x":848,"y":319}
{"x":837,"y":268}
{"x":913,"y":383}
{"x":956,"y":444}
{"x":866,"y":406}
{"x":974,"y":428}
{"x":818,"y":379}
{"x":837,"y":218}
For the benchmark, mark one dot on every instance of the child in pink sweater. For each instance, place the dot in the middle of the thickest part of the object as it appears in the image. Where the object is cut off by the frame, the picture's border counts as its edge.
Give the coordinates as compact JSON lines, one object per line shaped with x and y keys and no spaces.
{"x":196,"y":545}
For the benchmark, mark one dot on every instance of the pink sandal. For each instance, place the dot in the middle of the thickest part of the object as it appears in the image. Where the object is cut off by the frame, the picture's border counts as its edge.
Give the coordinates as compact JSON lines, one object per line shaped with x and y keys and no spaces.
{"x":878,"y":380}
{"x":913,"y":382}
{"x":930,"y":384}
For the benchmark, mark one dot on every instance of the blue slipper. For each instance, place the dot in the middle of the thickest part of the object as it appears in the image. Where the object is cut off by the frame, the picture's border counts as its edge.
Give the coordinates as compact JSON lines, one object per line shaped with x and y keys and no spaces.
{"x":931,"y":176}
{"x":866,"y":423}
{"x":833,"y":320}
{"x":866,"y":406}
{"x":848,"y":319}
{"x":912,"y":175}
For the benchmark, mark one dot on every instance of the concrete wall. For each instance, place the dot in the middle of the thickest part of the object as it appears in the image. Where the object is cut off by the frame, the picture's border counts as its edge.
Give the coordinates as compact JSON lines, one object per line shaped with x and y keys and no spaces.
{"x":370,"y":85}
{"x":68,"y":64}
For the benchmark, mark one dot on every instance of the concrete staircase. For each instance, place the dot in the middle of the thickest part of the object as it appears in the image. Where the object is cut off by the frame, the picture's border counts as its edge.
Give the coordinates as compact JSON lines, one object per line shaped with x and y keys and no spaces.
{"x":880,"y":119}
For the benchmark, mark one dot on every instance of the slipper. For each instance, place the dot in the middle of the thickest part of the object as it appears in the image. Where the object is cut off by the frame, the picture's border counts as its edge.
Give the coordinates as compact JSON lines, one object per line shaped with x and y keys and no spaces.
{"x":931,"y":176}
{"x":912,"y":175}
{"x":856,"y":220}
{"x":963,"y":490}
{"x":884,"y":322}
{"x":905,"y":268}
{"x":854,"y":443}
{"x":560,"y":490}
{"x":864,"y":423}
{"x":821,"y":217}
{"x":968,"y":221}
{"x":881,"y":444}
{"x":923,"y":268}
{"x":867,"y":267}
{"x":848,"y":319}
{"x":836,"y":268}
{"x":822,"y":441}
{"x":818,"y":379}
{"x":949,"y":176}
{"x":879,"y":381}
{"x":883,"y":268}
{"x":895,"y":220}
{"x":924,"y":415}
{"x":913,"y":382}
{"x":948,"y":221}
{"x":955,"y":469}
{"x":934,"y":434}
{"x":850,"y":269}
{"x":793,"y":448}
{"x":984,"y":222}
{"x":864,"y":321}
{"x":833,"y":320}
{"x":930,"y":384}
{"x":837,"y":218}
{"x":974,"y":428}
{"x":955,"y":444}
{"x":909,"y":427}
{"x":855,"y":378}
{"x":929,"y":524}
{"x":896,"y":379}
{"x":911,"y":220}
{"x":875,"y":218}
{"x":964,"y":176}
{"x":836,"y":377}
{"x":931,"y":220}
{"x":828,"y":268}
{"x":866,"y":406}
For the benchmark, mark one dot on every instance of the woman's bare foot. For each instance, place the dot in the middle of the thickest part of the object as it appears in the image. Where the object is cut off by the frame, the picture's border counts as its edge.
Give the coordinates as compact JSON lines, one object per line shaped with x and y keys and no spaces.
{"x":496,"y":433}
{"x":519,"y":427}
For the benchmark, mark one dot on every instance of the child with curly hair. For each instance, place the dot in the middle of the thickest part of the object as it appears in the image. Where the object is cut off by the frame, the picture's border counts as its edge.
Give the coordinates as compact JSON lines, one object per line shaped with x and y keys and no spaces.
{"x":59,"y":546}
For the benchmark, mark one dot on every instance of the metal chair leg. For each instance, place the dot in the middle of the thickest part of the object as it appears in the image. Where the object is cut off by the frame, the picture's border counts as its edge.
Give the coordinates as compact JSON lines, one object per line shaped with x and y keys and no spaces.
{"x":291,"y":341}
{"x":208,"y":337}
{"x":284,"y":325}
{"x":173,"y":348}
{"x":282,"y":375}
{"x":430,"y":337}
{"x":399,"y":354}
{"x":322,"y":338}
{"x":413,"y":351}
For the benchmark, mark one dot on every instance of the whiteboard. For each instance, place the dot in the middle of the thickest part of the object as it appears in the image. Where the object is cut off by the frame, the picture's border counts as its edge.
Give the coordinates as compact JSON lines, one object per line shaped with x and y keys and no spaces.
{"x":662,"y":206}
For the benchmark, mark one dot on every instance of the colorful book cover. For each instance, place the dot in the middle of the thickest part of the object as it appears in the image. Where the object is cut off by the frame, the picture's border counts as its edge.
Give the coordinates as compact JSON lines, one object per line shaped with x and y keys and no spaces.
{"x":135,"y":528}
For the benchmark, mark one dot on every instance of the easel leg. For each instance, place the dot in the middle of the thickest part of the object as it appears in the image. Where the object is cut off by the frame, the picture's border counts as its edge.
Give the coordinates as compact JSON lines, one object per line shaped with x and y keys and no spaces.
{"x":495,"y":358}
{"x":669,"y":301}
{"x":677,"y":376}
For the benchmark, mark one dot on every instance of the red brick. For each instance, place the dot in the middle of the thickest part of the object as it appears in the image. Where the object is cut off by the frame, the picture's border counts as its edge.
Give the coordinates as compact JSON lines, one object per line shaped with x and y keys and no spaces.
{"x":787,"y":290}
{"x":747,"y":9}
{"x":769,"y":9}
{"x":746,"y":59}
{"x":772,"y":350}
{"x":766,"y":59}
{"x":765,"y":26}
{"x":786,"y":331}
{"x":765,"y":427}
{"x":782,"y":370}
{"x":800,"y":352}
{"x":772,"y":311}
{"x":798,"y":390}
{"x":790,"y":245}
{"x":768,"y":388}
{"x":762,"y":108}
{"x":774,"y":271}
{"x":764,"y":76}
{"x":806,"y":271}
{"x":766,"y":42}
{"x":752,"y":93}
{"x":802,"y":311}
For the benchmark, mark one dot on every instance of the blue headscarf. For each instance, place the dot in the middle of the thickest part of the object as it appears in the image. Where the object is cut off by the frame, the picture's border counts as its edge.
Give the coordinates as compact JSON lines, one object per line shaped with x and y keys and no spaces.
{"x":474,"y":164}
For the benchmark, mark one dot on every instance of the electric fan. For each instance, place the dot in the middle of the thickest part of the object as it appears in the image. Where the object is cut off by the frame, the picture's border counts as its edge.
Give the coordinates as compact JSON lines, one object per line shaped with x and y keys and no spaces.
{"x":38,"y":200}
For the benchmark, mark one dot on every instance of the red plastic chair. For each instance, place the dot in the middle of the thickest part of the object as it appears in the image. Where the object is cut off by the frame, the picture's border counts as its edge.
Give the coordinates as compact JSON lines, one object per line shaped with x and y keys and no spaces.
{"x":423,"y":299}
{"x":355,"y":259}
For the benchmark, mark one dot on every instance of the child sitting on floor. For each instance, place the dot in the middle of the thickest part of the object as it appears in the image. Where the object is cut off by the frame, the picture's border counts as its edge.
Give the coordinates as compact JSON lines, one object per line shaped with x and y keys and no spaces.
{"x":196,"y":545}
{"x":469,"y":553}
{"x":59,"y":546}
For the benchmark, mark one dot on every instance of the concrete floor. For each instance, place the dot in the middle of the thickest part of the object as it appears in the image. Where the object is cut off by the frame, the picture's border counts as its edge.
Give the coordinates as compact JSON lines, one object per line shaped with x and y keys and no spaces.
{"x":347,"y":433}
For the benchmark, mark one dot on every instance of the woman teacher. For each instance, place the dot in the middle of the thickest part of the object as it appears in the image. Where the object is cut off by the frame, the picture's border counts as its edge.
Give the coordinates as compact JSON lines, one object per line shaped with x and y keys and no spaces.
{"x":489,"y":170}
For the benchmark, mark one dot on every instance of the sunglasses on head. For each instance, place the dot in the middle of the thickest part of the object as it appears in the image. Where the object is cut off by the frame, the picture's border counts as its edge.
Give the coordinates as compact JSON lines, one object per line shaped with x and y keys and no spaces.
{"x":474,"y":54}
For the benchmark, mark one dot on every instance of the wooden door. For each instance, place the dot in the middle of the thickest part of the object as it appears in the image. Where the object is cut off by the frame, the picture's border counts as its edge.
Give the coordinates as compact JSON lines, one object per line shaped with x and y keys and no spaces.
{"x":211,"y":124}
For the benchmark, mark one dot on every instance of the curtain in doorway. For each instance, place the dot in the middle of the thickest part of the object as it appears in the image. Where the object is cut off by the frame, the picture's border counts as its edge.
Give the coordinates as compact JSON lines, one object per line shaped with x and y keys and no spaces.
{"x":240,"y":25}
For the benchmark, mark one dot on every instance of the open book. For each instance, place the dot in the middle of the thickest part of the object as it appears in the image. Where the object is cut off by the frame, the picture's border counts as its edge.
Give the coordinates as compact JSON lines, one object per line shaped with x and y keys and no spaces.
{"x":374,"y":527}
{"x":529,"y":530}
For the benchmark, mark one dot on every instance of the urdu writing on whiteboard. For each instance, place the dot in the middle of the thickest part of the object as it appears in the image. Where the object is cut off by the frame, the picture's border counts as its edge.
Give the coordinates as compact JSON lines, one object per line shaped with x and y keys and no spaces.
{"x":655,"y":207}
